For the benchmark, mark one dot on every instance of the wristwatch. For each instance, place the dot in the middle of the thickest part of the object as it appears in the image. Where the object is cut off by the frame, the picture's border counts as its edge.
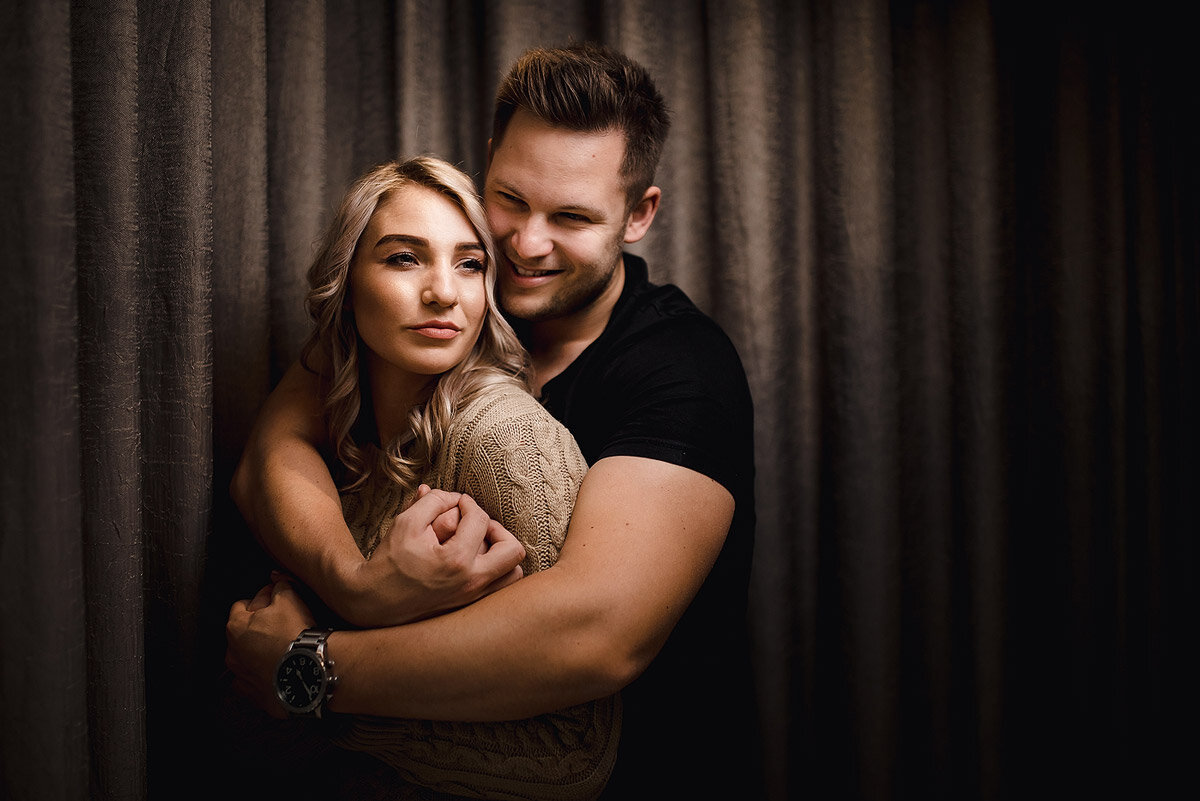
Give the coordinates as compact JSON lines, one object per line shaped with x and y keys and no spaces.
{"x":304,"y":679}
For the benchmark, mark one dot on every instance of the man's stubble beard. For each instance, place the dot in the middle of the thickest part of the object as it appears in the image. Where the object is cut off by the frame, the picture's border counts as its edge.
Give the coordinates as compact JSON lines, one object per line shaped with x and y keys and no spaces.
{"x":577,"y":296}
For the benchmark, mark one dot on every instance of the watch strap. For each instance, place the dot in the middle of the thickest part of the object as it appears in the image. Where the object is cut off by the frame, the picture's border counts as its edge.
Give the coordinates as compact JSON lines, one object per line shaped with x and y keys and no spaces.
{"x":313,"y":639}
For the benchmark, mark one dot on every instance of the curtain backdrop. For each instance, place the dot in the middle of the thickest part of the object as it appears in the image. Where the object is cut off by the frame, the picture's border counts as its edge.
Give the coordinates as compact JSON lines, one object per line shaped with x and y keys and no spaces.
{"x":954,"y":242}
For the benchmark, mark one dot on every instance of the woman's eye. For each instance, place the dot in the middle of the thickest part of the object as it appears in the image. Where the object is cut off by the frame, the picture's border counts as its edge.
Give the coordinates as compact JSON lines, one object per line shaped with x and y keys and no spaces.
{"x":472,"y":265}
{"x":401,"y":258}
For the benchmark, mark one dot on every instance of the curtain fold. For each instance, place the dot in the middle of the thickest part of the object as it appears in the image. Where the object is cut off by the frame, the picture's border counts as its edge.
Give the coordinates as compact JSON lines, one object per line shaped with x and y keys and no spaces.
{"x":240,"y":286}
{"x":104,"y":47}
{"x":173,"y":303}
{"x":296,"y":177}
{"x":362,"y":76}
{"x":44,"y":669}
{"x":241,"y":307}
{"x":955,"y":244}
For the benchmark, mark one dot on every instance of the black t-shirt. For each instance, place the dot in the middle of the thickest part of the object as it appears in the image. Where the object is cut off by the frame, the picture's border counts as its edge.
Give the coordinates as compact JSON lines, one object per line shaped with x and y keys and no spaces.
{"x":664,"y":382}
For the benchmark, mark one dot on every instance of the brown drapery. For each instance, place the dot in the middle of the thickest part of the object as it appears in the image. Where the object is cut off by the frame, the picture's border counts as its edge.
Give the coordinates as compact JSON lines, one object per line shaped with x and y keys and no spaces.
{"x":955,"y":243}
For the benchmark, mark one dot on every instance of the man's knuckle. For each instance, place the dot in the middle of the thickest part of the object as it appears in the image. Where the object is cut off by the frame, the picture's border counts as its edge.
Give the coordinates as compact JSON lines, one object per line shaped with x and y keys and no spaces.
{"x":458,"y":564}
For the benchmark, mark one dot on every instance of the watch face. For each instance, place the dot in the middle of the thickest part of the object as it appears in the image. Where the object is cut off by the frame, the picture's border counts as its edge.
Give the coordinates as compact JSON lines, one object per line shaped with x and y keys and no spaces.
{"x":300,"y":680}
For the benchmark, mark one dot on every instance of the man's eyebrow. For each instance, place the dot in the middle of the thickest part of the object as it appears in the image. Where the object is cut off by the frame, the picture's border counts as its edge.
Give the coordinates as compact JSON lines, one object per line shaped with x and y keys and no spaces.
{"x":504,"y":186}
{"x":586,"y":211}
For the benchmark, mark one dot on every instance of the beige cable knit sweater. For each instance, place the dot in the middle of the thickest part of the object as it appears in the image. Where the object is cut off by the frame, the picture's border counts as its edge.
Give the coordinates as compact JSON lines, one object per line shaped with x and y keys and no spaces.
{"x":524,"y":468}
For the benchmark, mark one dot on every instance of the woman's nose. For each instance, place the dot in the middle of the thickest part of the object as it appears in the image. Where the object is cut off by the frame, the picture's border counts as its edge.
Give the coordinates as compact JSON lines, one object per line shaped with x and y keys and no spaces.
{"x":441,"y":289}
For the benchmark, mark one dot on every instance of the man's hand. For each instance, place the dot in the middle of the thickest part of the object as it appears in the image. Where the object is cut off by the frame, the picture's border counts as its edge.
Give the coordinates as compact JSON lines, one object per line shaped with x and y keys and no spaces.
{"x":441,"y":553}
{"x":257,"y":634}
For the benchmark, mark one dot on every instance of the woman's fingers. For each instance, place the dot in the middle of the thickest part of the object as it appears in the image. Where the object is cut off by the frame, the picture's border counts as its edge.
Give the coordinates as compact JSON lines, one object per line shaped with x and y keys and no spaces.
{"x":430,"y":510}
{"x":496,"y":550}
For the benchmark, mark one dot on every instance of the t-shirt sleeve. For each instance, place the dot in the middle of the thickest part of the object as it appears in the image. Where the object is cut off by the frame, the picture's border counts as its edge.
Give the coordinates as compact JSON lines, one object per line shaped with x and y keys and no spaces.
{"x":681,"y":396}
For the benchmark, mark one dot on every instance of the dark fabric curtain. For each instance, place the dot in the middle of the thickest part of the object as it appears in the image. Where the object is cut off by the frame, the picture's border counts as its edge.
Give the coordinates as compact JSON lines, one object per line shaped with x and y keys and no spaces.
{"x":954,"y":242}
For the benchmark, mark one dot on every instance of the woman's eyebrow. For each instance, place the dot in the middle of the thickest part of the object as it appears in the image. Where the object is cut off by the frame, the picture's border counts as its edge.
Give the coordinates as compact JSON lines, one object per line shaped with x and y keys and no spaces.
{"x":420,"y":242}
{"x":405,"y":239}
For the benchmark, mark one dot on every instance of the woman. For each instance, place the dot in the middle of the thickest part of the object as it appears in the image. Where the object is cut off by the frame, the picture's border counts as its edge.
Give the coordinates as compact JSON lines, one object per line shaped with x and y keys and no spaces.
{"x":423,"y":384}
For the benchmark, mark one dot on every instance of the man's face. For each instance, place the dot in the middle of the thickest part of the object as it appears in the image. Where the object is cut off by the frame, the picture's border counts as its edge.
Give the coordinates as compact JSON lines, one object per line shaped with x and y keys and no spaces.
{"x":557,"y":207}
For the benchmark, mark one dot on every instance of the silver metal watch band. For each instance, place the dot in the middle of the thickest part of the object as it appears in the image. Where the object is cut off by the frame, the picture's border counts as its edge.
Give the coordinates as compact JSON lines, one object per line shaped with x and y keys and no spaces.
{"x":315,"y":640}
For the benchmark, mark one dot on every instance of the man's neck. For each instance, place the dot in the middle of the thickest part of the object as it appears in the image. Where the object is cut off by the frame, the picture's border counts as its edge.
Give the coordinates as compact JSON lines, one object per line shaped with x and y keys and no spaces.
{"x":555,"y":344}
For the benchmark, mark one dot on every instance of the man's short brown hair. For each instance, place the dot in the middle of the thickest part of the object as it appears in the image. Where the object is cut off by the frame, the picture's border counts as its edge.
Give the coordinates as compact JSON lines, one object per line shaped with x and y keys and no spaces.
{"x":590,"y":88}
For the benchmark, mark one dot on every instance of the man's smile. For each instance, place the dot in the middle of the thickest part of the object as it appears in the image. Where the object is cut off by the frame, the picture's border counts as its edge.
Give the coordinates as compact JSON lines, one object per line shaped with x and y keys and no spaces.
{"x":524,"y":273}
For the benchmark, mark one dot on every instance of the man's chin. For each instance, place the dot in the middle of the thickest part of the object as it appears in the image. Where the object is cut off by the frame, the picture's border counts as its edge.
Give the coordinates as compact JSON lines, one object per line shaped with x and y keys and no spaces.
{"x":523,"y":307}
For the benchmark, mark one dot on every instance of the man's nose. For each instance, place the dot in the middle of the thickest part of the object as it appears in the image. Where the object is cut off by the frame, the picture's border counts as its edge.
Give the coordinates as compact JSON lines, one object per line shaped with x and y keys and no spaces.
{"x":531,"y":239}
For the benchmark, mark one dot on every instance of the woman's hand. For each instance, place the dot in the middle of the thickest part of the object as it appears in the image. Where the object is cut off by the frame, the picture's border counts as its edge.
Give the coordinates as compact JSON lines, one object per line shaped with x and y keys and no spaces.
{"x":441,"y":553}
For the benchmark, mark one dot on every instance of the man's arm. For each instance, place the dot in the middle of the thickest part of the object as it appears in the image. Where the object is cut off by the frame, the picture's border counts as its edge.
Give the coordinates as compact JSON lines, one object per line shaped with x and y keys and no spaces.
{"x":287,"y":495}
{"x":643,"y":536}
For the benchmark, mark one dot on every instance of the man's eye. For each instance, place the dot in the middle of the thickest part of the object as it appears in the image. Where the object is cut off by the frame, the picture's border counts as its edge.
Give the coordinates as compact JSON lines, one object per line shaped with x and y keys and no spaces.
{"x":511,"y":200}
{"x":571,"y":216}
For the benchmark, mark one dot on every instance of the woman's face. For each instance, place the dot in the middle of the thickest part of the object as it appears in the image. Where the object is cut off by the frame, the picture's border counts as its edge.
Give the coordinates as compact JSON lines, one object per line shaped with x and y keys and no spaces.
{"x":417,"y":286}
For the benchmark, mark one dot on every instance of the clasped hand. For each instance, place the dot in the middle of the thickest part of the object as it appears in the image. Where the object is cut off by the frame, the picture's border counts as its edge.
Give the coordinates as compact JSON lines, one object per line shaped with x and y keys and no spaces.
{"x":441,"y":553}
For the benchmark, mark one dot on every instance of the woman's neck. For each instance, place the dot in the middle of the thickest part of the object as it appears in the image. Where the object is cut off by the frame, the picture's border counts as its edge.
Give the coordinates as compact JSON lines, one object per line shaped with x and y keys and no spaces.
{"x":394,"y":392}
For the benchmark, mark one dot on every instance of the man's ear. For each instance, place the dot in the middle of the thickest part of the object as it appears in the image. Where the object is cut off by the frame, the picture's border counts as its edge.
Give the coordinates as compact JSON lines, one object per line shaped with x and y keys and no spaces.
{"x":642,"y":215}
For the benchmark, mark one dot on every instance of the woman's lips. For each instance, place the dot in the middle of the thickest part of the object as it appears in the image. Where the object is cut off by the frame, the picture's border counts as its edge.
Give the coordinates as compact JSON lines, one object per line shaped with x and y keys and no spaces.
{"x":437,"y":329}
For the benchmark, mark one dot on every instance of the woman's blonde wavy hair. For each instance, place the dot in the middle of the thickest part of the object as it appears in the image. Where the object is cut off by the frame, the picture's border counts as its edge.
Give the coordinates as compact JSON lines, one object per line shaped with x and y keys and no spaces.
{"x":496,"y":358}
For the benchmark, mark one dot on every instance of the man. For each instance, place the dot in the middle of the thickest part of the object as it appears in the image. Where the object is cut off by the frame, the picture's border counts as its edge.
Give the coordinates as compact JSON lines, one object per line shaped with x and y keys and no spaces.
{"x":649,"y":594}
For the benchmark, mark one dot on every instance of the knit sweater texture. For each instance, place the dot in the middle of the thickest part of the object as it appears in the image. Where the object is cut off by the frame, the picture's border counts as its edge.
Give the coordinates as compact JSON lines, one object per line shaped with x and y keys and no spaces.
{"x":524,"y":469}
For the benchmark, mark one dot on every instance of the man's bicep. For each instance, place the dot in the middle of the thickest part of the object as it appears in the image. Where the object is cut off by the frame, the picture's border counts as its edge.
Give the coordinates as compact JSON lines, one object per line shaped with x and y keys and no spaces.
{"x":649,"y":531}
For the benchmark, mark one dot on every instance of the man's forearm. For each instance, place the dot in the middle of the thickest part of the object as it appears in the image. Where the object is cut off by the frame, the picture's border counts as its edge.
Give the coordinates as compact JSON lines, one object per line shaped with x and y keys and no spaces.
{"x":643,"y":536}
{"x":520,"y":652}
{"x":285,"y":491}
{"x":290,"y":501}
